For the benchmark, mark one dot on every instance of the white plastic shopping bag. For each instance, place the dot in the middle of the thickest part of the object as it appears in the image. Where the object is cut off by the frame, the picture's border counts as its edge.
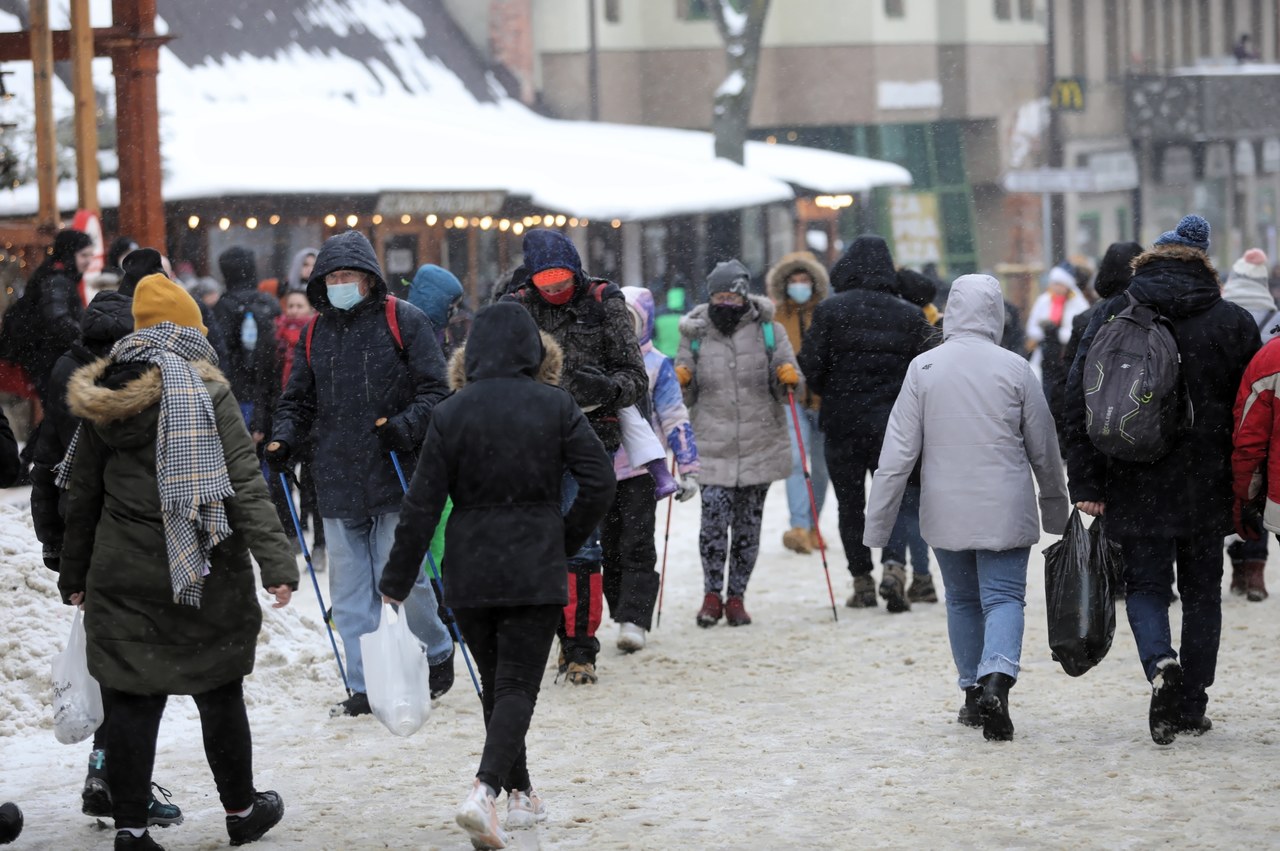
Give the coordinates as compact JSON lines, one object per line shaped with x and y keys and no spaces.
{"x":396,"y":674}
{"x":77,"y":699}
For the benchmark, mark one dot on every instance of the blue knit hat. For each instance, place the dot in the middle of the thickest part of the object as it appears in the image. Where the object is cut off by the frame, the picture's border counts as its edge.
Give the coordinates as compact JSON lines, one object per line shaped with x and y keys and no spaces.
{"x":1193,"y":231}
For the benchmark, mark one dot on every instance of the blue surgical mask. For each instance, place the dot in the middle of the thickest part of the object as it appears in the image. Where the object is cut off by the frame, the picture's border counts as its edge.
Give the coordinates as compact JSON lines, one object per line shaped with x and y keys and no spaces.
{"x":799,"y":293}
{"x":344,"y":296}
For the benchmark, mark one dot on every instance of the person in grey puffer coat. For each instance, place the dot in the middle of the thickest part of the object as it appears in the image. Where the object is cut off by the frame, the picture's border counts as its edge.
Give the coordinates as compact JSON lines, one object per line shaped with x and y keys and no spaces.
{"x":736,"y":390}
{"x":977,"y":415}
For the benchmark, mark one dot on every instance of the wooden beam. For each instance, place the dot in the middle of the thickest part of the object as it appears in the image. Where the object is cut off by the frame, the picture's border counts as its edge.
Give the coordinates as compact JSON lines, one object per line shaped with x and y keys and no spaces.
{"x":46,"y":132}
{"x":86,"y":109}
{"x":16,"y":46}
{"x":135,"y":65}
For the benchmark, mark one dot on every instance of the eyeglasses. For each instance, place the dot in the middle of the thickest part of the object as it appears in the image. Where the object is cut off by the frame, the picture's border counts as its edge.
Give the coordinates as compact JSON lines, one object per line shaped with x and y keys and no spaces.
{"x":727,"y":298}
{"x":343,"y":276}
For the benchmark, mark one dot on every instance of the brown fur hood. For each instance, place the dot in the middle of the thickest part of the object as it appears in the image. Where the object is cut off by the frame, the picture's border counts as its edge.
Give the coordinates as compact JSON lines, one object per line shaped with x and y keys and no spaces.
{"x":1173,"y":251}
{"x":102,"y":405}
{"x":796,"y":261}
{"x":548,"y":373}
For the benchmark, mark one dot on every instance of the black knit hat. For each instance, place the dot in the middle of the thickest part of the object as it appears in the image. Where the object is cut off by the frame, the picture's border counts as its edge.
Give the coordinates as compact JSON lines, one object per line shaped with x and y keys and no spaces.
{"x":1116,"y":269}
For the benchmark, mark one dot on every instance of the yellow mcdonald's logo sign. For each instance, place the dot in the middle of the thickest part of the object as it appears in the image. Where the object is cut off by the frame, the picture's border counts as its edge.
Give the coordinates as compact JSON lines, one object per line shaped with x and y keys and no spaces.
{"x":1067,"y":94}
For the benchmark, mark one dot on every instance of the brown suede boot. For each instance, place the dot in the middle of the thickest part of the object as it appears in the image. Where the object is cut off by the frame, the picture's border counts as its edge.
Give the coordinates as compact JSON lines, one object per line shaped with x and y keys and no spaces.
{"x":1255,"y":586}
{"x":1237,"y":578}
{"x":797,"y":540}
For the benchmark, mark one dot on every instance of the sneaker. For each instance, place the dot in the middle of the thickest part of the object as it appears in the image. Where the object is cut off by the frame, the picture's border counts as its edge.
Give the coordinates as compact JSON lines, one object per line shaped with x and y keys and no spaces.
{"x":525,"y":809}
{"x":11,"y":822}
{"x":893,"y":587}
{"x":126,"y":841}
{"x":864,"y":593}
{"x":993,"y":703}
{"x":357,"y":704}
{"x":797,"y":540}
{"x":582,"y":673}
{"x":162,"y":813}
{"x":971,"y":714}
{"x":440,"y":677}
{"x":735,"y":613}
{"x":266,"y":813}
{"x":478,"y":816}
{"x":95,"y":797}
{"x":922,"y":590}
{"x":1166,"y":692}
{"x":631,"y":637}
{"x":711,"y":612}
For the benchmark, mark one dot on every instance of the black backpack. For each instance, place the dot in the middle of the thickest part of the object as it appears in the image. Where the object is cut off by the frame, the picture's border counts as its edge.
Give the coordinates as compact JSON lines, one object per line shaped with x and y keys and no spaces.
{"x":19,"y":335}
{"x":1136,"y":403}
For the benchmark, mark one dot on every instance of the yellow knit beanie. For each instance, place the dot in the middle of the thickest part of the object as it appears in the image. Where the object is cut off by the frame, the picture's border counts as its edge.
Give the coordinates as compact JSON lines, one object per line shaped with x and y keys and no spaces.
{"x":158,"y":299}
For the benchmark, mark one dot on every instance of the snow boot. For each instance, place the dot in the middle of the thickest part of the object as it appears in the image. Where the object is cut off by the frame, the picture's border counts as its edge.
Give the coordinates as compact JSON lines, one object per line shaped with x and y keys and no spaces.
{"x":712,"y":610}
{"x":582,"y":673}
{"x":126,"y":841}
{"x":266,"y":812}
{"x":893,"y":587}
{"x":997,"y":726}
{"x":664,"y":484}
{"x":922,"y":590}
{"x":864,"y":593}
{"x":798,"y":541}
{"x":356,"y":704}
{"x":478,"y":816}
{"x":1166,"y":693}
{"x":631,"y":637}
{"x":162,"y":813}
{"x":10,"y":822}
{"x":817,"y":541}
{"x":1196,"y":725}
{"x":440,"y":677}
{"x":970,"y":713}
{"x":95,"y":797}
{"x":735,"y":613}
{"x":1238,"y":582}
{"x":525,"y":809}
{"x":1255,"y":585}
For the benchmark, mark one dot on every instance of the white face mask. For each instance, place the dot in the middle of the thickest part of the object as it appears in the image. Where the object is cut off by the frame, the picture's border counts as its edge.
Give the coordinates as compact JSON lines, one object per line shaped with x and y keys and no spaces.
{"x":799,"y":293}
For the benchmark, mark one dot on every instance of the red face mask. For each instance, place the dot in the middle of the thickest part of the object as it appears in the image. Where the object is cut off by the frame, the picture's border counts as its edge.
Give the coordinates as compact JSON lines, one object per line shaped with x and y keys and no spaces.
{"x":561,"y":297}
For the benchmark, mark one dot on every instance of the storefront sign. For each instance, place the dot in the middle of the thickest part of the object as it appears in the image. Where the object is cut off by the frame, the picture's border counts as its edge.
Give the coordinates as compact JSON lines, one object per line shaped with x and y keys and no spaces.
{"x":924,"y":94}
{"x":440,"y":203}
{"x":1048,"y":180}
{"x":917,"y":236}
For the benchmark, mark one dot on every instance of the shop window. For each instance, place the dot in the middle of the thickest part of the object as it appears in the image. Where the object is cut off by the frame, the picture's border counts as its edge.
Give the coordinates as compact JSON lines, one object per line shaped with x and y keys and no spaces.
{"x":895,"y":8}
{"x":957,"y":234}
{"x":948,"y":152}
{"x":1026,"y":10}
{"x":1004,"y":10}
{"x":613,"y":11}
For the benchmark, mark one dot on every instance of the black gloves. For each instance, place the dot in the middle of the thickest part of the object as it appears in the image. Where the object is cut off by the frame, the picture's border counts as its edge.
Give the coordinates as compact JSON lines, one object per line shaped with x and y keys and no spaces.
{"x":592,"y":388}
{"x":277,"y":455}
{"x":393,"y":436}
{"x":52,"y":559}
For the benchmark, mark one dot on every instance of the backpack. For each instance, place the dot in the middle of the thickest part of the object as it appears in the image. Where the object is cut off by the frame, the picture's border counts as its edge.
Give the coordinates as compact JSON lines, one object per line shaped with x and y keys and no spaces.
{"x":1135,"y":397}
{"x":393,"y":324}
{"x":18,"y":329}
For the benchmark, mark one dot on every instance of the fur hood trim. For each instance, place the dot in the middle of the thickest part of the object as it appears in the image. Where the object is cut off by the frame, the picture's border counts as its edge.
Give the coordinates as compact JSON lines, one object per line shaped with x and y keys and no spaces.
{"x":102,"y":405}
{"x":796,"y":261}
{"x":695,"y":323}
{"x":1172,"y":251}
{"x":548,"y":373}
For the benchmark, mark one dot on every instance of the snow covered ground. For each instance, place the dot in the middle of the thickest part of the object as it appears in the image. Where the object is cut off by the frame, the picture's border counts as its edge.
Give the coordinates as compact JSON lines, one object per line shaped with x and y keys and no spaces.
{"x":793,"y":732}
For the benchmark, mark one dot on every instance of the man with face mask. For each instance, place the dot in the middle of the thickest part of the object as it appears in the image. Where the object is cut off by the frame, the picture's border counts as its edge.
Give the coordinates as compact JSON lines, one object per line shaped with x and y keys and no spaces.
{"x":604,"y":372}
{"x":362,"y":389}
{"x":797,"y":284}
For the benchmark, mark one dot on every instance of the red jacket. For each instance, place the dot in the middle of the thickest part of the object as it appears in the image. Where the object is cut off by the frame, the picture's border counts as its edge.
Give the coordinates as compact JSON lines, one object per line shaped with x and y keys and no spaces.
{"x":1257,"y":434}
{"x":287,"y":333}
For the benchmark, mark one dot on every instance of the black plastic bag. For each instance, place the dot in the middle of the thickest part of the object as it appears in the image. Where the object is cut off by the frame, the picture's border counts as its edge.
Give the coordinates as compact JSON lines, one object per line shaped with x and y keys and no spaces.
{"x":1081,"y":573}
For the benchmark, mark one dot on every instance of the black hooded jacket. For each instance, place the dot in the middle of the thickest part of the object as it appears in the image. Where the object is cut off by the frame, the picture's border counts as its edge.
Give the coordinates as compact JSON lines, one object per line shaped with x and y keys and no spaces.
{"x":856,"y":353}
{"x":49,"y":321}
{"x":251,"y":371}
{"x":9,"y":464}
{"x":1188,"y":491}
{"x":508,"y":543}
{"x":107,"y":318}
{"x":355,"y":375}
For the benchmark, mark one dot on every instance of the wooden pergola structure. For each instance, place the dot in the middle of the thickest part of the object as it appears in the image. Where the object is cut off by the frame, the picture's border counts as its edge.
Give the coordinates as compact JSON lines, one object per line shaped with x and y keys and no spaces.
{"x":134,"y":49}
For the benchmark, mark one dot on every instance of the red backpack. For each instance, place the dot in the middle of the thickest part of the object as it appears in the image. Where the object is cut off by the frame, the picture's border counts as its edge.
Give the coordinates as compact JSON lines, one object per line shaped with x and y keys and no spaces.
{"x":393,"y":323}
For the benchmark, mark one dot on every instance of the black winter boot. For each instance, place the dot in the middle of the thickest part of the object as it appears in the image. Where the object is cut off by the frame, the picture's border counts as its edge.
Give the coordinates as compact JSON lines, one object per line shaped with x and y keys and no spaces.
{"x":95,"y":798}
{"x":440,"y":677}
{"x":1164,"y":716}
{"x":970,"y":713}
{"x":10,"y":822}
{"x":997,"y":726}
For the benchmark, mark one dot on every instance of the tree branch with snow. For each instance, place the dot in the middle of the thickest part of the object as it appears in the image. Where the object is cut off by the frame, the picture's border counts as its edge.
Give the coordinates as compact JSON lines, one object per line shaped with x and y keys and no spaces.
{"x":741,"y":25}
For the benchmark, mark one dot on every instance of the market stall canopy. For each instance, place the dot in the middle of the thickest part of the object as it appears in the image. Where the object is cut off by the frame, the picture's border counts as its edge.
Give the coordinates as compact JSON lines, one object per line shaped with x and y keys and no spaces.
{"x":341,"y":97}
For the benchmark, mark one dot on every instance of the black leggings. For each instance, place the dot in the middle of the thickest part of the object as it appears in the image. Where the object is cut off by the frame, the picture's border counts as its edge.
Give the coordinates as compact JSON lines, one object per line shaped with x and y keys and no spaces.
{"x":131,"y":749}
{"x":510,"y":646}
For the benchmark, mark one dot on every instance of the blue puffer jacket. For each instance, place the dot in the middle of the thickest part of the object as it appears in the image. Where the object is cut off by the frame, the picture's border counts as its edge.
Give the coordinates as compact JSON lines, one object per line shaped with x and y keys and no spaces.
{"x":355,"y":375}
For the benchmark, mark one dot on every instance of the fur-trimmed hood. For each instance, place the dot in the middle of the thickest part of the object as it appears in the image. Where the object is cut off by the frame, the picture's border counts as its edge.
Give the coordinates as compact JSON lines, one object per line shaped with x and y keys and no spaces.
{"x":548,"y":372}
{"x":1171,"y":251}
{"x":797,"y":261}
{"x":102,"y":405}
{"x":696,"y":322}
{"x":1177,"y":279}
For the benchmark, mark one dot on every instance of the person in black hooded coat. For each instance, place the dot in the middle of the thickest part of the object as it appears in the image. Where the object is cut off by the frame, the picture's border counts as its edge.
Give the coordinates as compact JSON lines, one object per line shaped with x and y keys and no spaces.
{"x":50,"y":320}
{"x":1180,"y":505}
{"x":855,"y":356}
{"x":248,"y":358}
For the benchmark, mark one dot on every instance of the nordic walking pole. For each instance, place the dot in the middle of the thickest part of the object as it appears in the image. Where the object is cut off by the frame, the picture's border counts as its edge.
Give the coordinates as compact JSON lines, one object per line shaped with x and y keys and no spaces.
{"x":666,"y":539}
{"x":813,"y":503}
{"x":315,"y":583}
{"x":436,"y":586}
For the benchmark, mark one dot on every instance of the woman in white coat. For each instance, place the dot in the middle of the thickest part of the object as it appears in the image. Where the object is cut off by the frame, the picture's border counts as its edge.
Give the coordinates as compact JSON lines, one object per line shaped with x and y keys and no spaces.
{"x":977,"y":416}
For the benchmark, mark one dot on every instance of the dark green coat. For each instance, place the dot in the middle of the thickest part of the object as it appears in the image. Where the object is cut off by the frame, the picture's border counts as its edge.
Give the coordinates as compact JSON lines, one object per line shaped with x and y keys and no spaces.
{"x":140,"y":641}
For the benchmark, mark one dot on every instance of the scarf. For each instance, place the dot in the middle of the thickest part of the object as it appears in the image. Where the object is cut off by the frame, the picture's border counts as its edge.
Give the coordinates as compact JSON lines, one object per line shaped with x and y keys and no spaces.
{"x":191,"y":469}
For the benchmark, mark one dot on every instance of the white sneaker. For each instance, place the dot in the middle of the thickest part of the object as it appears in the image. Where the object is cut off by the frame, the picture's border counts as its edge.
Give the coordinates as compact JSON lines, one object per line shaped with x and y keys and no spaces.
{"x":631,"y":637}
{"x":478,"y":816}
{"x":525,"y":809}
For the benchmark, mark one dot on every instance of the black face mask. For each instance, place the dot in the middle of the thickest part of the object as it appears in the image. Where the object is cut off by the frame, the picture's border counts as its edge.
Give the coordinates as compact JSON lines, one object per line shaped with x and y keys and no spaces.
{"x":726,"y":317}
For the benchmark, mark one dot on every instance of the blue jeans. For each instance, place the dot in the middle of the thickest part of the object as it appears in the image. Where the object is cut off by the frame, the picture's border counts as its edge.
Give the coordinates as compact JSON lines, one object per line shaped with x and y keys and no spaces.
{"x":358,"y":551}
{"x":986,"y":592}
{"x":905,"y":536}
{"x":1148,"y":579}
{"x":797,"y":492}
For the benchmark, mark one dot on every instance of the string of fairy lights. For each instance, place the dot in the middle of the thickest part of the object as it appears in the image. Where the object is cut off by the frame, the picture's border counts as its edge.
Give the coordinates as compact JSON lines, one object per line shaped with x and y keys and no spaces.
{"x":458,"y":222}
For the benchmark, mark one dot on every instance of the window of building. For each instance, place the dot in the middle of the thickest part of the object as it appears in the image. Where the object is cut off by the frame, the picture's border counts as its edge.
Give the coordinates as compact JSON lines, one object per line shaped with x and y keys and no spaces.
{"x":1111,"y":32}
{"x":1206,"y":46}
{"x":1168,"y":57}
{"x":613,"y":11}
{"x":1027,"y":10}
{"x":1188,"y":42}
{"x":1004,"y":10}
{"x":895,"y":8}
{"x":1079,"y":57}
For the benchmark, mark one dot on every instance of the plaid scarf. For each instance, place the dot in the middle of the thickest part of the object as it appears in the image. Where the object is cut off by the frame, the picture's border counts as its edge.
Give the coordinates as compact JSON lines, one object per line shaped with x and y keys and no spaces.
{"x":191,"y":470}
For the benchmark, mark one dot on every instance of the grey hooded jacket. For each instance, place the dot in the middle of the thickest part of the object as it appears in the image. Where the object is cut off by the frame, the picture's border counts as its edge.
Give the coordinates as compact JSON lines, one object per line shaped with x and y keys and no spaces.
{"x":978,"y":416}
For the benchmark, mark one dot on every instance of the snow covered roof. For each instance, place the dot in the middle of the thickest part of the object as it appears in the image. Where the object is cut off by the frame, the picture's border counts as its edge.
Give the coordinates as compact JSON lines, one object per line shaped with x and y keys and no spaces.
{"x":319,"y":97}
